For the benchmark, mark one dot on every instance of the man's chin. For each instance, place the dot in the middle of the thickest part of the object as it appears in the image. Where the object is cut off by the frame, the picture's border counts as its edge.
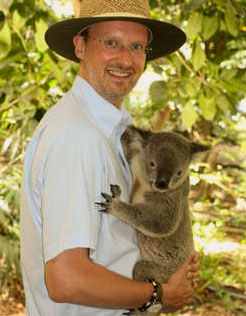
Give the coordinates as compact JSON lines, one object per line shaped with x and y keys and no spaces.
{"x":122,"y":90}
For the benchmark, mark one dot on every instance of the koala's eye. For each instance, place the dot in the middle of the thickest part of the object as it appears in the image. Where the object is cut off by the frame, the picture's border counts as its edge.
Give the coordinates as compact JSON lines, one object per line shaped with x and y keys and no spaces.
{"x":152,"y":164}
{"x":179,"y":173}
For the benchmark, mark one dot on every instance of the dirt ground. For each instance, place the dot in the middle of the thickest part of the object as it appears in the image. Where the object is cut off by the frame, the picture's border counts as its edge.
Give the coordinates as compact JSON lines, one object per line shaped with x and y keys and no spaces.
{"x":207,"y":309}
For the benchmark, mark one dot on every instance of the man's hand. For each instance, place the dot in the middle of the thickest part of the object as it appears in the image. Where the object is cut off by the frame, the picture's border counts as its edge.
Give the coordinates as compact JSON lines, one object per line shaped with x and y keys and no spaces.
{"x":193,"y":266}
{"x":178,"y":290}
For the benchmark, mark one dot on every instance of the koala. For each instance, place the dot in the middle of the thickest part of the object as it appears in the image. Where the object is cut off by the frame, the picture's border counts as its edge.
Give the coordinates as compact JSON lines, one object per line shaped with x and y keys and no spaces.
{"x":158,"y":208}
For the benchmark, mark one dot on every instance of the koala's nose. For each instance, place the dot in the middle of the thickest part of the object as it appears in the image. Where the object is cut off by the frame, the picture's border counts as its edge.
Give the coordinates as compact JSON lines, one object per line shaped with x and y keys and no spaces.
{"x":163,"y":180}
{"x":162,"y":184}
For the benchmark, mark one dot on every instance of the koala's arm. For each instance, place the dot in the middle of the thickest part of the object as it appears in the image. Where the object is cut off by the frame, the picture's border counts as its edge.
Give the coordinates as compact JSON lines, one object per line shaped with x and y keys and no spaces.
{"x":154,"y":219}
{"x":147,"y":219}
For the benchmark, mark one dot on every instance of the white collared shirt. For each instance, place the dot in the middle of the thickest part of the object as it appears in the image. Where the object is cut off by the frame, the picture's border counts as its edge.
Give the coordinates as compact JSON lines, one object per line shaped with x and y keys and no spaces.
{"x":74,"y":155}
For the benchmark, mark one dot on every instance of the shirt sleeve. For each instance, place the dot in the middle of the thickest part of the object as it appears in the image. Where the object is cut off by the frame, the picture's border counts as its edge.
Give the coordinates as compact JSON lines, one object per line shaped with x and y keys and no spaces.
{"x":71,"y":186}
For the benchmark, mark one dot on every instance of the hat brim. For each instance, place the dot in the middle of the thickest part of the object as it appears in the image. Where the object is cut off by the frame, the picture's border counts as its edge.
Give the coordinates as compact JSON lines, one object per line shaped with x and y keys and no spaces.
{"x":167,"y":38}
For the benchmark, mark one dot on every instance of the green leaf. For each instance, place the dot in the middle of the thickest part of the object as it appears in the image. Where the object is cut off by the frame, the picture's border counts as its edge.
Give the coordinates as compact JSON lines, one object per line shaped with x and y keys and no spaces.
{"x":232,"y":23}
{"x":57,"y":70}
{"x":208,"y":107}
{"x":198,"y":56}
{"x":195,"y":3}
{"x":233,"y":85}
{"x":5,"y":40}
{"x":18,"y":20}
{"x":209,"y":26}
{"x":41,"y":28}
{"x":192,"y":87}
{"x":189,"y":115}
{"x":223,"y":103}
{"x":157,"y":91}
{"x":156,"y":68}
{"x":220,"y":2}
{"x":194,"y":25}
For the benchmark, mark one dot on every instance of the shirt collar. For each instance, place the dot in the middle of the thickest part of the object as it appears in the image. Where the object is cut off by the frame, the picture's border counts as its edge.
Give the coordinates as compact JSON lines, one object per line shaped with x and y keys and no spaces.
{"x":104,"y":114}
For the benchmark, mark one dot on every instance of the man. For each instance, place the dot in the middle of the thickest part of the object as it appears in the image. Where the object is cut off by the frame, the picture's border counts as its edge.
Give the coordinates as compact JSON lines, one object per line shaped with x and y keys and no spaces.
{"x":75,"y":260}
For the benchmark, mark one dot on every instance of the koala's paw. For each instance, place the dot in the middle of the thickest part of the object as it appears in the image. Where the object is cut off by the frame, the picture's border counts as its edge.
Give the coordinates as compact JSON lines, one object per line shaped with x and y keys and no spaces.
{"x":116,"y":191}
{"x":108,"y":205}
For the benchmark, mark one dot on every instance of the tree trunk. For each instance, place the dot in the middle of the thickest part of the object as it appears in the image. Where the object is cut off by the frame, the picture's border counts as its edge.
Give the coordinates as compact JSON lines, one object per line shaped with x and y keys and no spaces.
{"x":160,"y":118}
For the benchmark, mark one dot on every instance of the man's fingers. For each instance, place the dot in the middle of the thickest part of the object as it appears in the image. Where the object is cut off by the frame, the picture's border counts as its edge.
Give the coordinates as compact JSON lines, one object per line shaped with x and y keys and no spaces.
{"x":193,"y":267}
{"x":195,"y":257}
{"x":192,"y":275}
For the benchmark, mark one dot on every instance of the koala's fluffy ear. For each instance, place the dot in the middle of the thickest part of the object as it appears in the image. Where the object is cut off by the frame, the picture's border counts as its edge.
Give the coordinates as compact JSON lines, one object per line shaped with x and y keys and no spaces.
{"x":133,"y":134}
{"x":197,"y":149}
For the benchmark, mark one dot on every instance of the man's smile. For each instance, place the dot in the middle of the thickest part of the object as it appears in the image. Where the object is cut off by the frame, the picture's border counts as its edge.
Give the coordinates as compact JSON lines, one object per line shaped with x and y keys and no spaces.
{"x":120,"y":73}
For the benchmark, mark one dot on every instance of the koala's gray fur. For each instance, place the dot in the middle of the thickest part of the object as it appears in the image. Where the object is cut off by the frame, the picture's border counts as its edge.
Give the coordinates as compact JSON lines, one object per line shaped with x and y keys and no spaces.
{"x":158,"y":208}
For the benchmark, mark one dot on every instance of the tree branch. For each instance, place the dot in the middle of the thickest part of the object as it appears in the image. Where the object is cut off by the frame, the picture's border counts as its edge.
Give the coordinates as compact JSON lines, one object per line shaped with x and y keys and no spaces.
{"x":184,"y":63}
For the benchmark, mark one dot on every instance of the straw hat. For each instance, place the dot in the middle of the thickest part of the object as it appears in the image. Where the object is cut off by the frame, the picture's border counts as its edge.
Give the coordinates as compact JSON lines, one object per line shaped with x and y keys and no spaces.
{"x":166,"y":37}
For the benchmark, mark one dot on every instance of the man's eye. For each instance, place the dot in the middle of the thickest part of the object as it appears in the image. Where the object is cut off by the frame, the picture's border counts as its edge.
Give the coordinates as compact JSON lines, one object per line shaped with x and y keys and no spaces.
{"x":110,"y":43}
{"x":137,"y":47}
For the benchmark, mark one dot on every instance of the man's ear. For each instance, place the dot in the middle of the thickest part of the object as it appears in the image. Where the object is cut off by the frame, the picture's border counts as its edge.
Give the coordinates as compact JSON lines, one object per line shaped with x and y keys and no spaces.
{"x":79,"y":46}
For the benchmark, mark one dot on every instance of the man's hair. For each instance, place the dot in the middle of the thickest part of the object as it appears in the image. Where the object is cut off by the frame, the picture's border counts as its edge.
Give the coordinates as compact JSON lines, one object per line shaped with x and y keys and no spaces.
{"x":85,"y":34}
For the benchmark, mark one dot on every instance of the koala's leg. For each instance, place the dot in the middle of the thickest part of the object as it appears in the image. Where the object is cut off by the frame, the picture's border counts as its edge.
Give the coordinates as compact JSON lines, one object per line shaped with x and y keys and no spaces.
{"x":148,"y":270}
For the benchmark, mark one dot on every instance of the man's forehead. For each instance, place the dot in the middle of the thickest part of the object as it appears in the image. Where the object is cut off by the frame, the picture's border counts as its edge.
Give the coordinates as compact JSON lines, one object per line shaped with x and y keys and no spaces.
{"x":124,"y":27}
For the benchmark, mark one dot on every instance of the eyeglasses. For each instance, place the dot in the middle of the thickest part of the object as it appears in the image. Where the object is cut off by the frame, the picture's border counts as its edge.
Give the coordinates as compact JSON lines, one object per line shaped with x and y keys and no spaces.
{"x":113,"y":46}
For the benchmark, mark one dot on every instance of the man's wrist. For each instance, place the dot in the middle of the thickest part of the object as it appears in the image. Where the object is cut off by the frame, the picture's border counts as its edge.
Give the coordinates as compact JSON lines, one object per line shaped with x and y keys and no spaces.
{"x":156,"y":296}
{"x":160,"y":293}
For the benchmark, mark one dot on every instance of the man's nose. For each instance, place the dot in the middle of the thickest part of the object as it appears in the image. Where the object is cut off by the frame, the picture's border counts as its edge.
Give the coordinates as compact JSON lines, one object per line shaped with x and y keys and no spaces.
{"x":125,"y":56}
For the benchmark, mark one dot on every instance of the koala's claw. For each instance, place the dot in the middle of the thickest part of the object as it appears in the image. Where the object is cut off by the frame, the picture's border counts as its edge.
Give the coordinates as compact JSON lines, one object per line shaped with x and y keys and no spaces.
{"x":103,"y":209}
{"x":115,"y":189}
{"x":107,"y":206}
{"x":107,"y":197}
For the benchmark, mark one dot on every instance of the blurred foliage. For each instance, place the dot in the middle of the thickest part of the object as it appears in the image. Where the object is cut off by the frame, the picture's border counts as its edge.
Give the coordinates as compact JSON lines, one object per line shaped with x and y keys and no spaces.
{"x":196,"y":91}
{"x":205,"y":80}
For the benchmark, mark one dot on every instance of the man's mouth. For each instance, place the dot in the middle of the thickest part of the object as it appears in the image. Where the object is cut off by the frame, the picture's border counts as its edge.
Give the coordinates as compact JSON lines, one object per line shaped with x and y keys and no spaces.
{"x":118,"y":74}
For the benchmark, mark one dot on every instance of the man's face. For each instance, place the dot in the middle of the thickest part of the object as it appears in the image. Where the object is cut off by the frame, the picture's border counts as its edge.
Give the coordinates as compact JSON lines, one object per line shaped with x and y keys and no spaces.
{"x":113,"y":57}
